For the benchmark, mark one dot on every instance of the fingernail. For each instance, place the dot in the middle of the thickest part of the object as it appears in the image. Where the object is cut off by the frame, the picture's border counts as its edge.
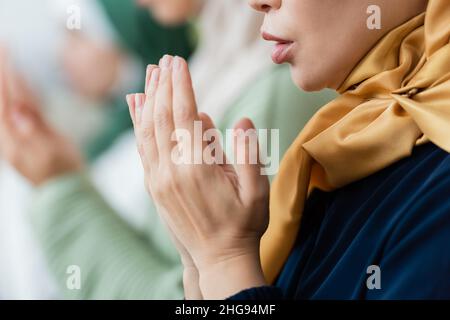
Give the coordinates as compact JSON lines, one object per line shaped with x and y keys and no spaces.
{"x":155,"y":76}
{"x":166,"y":62}
{"x":177,"y":63}
{"x":138,"y":107}
{"x":128,"y":98}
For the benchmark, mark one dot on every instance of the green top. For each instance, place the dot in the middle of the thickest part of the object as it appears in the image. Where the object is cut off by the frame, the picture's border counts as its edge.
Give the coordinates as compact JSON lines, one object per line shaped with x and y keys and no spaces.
{"x":148,"y":41}
{"x":77,"y":227}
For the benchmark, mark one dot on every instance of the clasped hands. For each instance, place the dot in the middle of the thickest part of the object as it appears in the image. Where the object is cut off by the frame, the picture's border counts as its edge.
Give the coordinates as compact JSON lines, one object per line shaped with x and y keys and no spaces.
{"x":215,"y":213}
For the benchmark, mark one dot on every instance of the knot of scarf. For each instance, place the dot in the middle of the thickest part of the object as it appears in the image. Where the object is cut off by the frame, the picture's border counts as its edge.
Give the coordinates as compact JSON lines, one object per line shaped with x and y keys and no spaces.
{"x":397,"y":97}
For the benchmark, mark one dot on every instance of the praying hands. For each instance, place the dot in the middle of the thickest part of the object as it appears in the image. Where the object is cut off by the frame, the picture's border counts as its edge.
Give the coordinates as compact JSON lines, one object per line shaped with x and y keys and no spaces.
{"x":27,"y":141}
{"x":216,"y":213}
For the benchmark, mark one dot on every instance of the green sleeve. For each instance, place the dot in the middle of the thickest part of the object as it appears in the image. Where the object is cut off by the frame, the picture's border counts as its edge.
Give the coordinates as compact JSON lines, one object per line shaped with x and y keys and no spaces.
{"x":274,"y":102}
{"x":76,"y":227}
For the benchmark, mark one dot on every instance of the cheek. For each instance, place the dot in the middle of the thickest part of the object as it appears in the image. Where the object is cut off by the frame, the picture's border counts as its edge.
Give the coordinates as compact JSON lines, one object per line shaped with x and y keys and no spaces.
{"x":309,"y":65}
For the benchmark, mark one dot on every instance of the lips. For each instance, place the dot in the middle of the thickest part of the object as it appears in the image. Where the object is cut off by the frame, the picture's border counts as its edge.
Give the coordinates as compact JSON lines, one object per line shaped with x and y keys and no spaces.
{"x":281,"y":51}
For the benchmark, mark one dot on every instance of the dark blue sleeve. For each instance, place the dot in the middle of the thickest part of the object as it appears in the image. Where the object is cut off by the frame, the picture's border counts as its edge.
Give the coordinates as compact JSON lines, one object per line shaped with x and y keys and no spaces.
{"x":259,"y":293}
{"x":416,"y":260}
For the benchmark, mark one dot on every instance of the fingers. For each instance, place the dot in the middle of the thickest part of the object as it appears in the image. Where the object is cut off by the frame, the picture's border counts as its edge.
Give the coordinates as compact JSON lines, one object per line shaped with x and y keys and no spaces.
{"x":136,"y":104}
{"x":4,"y":92}
{"x":163,"y":115}
{"x":146,"y":124}
{"x":248,"y":166}
{"x":169,"y":105}
{"x":131,"y":107}
{"x":206,"y":120}
{"x":184,"y":106}
{"x":141,"y":108}
{"x":15,"y":93}
{"x":211,"y":133}
{"x":148,"y":76}
{"x":139,"y":103}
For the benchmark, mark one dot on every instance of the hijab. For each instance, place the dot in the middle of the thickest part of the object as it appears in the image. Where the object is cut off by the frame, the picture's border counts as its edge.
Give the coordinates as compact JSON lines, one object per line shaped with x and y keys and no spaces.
{"x":397,"y":97}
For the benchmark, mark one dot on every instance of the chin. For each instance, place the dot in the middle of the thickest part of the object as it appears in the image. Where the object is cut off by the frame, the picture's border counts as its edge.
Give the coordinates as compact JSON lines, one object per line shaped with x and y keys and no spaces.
{"x":169,"y":20}
{"x":306,"y":79}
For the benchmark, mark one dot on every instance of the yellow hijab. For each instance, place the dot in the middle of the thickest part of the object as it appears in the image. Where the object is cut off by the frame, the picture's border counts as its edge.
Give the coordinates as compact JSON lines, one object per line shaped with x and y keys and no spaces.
{"x":398,"y":97}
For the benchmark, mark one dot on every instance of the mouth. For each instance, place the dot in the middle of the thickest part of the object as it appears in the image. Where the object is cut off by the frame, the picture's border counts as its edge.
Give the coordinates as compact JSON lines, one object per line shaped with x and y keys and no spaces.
{"x":281,"y":51}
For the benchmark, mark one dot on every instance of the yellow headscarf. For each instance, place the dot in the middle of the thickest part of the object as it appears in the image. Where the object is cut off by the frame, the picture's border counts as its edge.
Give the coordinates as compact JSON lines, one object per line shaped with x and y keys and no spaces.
{"x":398,"y":97}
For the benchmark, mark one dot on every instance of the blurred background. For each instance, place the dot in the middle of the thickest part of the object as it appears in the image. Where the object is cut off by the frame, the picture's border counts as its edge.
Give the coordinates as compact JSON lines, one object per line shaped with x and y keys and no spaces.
{"x":80,"y":77}
{"x":80,"y":58}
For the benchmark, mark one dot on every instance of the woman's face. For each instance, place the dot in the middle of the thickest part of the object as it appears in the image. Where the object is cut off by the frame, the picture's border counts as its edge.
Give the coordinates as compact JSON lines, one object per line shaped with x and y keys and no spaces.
{"x":171,"y":12}
{"x":323,"y":40}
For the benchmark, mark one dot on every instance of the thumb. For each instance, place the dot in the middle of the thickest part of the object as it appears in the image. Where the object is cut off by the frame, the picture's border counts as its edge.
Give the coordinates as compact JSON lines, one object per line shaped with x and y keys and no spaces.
{"x":253,"y":183}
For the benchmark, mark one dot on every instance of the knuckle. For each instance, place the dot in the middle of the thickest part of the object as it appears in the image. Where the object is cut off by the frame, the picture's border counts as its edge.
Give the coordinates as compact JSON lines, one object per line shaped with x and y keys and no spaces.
{"x":147,"y":132}
{"x":162,"y":117}
{"x":183,"y":114}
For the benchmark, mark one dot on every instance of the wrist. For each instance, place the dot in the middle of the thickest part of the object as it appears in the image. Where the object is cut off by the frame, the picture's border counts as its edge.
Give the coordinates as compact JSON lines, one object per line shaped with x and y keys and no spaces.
{"x":191,"y":284}
{"x":227,"y":276}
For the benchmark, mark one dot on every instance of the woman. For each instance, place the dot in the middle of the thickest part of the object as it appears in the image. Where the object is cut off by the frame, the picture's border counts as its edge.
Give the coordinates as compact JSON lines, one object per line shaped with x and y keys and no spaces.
{"x":141,"y":35}
{"x":364,"y":187}
{"x":233,"y":77}
{"x":40,"y":28}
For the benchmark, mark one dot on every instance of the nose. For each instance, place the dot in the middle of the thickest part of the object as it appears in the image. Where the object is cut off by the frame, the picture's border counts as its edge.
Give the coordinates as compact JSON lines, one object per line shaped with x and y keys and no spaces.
{"x":265,"y":5}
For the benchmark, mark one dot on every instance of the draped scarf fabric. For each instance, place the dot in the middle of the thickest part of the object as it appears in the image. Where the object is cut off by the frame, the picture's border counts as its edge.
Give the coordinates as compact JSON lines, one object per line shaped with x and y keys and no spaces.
{"x":397,"y":97}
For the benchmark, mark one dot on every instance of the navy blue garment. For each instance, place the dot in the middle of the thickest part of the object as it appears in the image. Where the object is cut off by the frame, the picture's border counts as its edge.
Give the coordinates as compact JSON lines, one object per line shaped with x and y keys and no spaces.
{"x":397,"y":219}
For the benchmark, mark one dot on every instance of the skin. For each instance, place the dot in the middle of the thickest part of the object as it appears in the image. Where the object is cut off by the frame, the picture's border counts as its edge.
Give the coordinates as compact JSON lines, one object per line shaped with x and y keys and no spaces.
{"x":172,"y":12}
{"x":216,"y":214}
{"x":216,"y":217}
{"x":330,"y":37}
{"x":82,"y":55}
{"x":37,"y":151}
{"x":169,"y":105}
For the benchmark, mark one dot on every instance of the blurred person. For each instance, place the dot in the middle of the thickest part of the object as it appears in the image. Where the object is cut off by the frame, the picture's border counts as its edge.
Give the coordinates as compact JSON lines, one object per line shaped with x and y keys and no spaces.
{"x":34,"y":36}
{"x":88,"y":108}
{"x":79,"y":217}
{"x":101,"y":69}
{"x":360,"y":208}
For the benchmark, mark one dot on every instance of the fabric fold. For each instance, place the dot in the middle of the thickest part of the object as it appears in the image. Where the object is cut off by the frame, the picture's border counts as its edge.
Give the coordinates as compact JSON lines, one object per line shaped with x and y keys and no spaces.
{"x":397,"y":97}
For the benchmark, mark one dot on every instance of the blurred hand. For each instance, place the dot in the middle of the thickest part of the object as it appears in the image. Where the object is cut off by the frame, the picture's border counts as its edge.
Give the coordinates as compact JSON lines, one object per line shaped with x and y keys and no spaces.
{"x":27,"y":142}
{"x":218,"y":213}
{"x":91,"y":68}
